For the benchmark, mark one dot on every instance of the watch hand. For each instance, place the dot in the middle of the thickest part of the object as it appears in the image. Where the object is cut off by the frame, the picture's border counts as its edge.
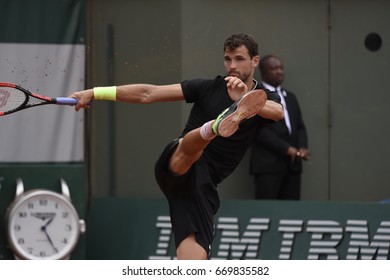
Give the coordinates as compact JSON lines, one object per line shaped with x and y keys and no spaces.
{"x":43,"y":228}
{"x":49,"y":221}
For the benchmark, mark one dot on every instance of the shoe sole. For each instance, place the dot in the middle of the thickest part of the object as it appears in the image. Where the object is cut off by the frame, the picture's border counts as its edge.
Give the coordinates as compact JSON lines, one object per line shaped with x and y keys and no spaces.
{"x":248,"y":106}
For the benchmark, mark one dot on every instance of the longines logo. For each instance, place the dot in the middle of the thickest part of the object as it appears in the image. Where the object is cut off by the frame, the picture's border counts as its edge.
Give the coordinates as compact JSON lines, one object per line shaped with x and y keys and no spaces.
{"x":328,"y":239}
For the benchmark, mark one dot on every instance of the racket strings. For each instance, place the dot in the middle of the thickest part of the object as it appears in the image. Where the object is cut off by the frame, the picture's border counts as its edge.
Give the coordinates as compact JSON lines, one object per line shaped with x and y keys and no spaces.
{"x":11,"y":98}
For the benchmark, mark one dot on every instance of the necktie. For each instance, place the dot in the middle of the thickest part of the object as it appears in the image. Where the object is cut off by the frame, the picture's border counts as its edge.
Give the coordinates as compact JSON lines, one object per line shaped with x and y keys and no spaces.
{"x":286,"y":116}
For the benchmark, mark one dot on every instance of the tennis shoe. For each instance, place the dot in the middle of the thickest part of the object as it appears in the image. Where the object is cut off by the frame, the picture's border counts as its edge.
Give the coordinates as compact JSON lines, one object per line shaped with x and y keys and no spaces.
{"x":249,"y":105}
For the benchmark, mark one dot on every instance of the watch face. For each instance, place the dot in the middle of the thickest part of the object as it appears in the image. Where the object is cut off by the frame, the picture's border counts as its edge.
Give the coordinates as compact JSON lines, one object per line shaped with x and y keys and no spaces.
{"x":42,"y":225}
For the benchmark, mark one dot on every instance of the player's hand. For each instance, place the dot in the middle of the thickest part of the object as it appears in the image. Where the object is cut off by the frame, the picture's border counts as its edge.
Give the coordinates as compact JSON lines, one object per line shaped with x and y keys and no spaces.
{"x":236,"y":88}
{"x":84,"y":98}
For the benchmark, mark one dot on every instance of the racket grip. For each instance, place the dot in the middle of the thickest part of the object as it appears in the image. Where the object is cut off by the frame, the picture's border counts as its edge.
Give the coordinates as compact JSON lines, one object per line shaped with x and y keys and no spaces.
{"x":66,"y":101}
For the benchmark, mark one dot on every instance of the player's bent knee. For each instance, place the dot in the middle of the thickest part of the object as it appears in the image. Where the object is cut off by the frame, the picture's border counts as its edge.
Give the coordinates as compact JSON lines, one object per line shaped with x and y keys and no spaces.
{"x":181,"y":163}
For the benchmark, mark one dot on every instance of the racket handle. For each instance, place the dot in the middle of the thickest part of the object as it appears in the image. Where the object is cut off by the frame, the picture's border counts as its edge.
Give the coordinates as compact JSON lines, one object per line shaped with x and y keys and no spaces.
{"x":66,"y":101}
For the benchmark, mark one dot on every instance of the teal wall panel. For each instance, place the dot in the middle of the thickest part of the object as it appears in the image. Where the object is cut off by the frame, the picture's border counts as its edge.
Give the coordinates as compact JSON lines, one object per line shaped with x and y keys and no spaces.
{"x":121,"y":228}
{"x":42,"y":21}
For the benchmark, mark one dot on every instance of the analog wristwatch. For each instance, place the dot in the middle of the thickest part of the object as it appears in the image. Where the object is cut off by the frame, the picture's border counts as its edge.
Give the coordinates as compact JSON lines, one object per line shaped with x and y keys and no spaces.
{"x":43,"y":224}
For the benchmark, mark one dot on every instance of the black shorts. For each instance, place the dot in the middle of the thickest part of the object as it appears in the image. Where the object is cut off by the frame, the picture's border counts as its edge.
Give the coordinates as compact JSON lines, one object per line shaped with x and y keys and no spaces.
{"x":193,"y":198}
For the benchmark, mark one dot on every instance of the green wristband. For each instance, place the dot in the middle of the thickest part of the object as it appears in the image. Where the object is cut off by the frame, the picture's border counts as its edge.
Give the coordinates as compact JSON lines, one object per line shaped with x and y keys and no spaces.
{"x":105,"y":93}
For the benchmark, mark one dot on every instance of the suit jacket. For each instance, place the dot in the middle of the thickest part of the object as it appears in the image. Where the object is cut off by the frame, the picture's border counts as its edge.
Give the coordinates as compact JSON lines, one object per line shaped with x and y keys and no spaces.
{"x":272,"y":142}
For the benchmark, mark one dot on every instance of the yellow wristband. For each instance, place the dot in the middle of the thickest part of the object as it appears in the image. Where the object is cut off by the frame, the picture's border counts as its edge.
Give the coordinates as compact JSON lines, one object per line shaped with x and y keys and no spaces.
{"x":104,"y":93}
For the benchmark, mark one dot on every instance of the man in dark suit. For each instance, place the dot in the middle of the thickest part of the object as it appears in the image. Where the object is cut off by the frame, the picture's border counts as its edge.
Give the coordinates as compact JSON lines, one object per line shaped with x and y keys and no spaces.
{"x":277,"y":154}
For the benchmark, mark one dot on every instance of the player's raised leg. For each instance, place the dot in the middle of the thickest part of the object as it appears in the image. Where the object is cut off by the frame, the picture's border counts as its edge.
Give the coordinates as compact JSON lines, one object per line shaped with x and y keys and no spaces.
{"x":191,"y":146}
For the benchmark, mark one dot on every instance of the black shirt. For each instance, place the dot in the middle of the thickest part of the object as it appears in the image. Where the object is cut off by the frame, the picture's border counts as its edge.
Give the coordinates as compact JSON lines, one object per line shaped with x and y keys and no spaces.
{"x":210,"y":98}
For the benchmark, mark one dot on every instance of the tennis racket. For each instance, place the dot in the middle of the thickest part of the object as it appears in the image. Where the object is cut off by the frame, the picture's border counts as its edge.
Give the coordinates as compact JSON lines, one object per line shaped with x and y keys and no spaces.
{"x":14,"y":98}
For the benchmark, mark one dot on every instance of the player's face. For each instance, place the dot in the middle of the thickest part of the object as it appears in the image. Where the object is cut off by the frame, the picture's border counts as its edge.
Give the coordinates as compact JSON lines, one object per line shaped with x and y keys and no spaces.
{"x":239,"y":64}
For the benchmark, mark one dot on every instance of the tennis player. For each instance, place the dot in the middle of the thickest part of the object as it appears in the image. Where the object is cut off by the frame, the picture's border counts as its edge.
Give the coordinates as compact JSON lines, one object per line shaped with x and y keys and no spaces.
{"x":226,"y":115}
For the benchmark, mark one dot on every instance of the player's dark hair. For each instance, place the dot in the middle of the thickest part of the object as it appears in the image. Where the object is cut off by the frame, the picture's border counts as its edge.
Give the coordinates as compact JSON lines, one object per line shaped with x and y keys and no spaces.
{"x":237,"y":40}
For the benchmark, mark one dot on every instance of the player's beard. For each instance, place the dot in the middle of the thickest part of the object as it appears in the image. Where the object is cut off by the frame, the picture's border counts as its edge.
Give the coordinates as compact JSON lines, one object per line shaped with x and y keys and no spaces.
{"x":242,"y":77}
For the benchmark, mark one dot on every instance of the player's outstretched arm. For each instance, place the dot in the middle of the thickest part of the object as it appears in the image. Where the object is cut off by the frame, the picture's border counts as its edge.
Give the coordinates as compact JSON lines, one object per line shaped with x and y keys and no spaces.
{"x":146,"y":94}
{"x":272,"y":110}
{"x":135,"y":93}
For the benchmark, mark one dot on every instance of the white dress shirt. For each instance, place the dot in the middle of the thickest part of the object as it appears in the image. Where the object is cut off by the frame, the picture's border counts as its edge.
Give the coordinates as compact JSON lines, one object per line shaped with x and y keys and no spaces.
{"x":282,"y":94}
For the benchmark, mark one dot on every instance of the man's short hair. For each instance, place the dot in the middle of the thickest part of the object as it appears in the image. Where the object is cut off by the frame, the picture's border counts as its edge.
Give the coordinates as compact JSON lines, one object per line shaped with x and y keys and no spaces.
{"x":237,"y":40}
{"x":263,"y":63}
